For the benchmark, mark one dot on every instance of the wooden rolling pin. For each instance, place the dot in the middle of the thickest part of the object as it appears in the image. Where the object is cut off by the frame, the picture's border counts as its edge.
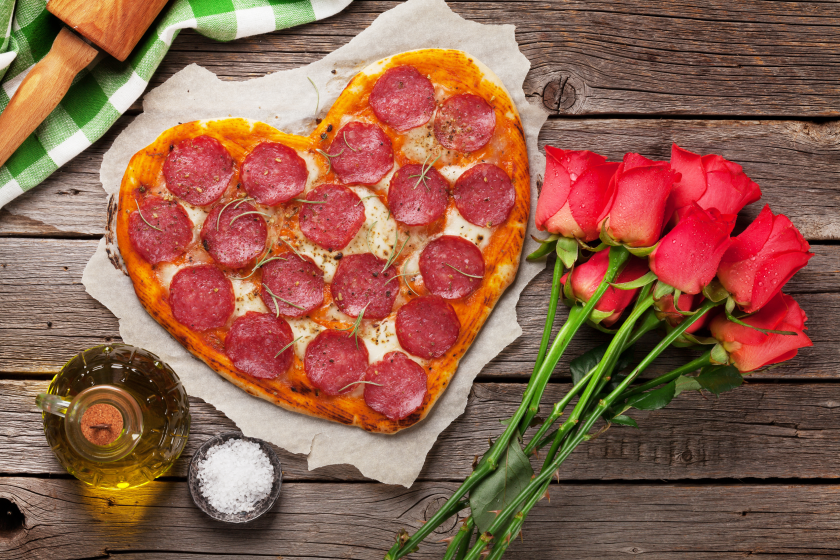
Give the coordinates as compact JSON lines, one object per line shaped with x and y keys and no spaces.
{"x":113,"y":25}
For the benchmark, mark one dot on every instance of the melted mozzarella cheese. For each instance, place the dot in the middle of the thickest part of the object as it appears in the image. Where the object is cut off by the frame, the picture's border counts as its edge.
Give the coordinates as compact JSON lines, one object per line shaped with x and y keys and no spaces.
{"x":381,"y":338}
{"x":457,"y":225}
{"x":306,"y":329}
{"x":313,"y":171}
{"x":165,"y":272}
{"x":247,"y":298}
{"x":420,"y":143}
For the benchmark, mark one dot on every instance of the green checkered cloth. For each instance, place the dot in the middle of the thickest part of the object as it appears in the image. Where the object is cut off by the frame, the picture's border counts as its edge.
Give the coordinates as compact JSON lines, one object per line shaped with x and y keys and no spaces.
{"x":107,"y":88}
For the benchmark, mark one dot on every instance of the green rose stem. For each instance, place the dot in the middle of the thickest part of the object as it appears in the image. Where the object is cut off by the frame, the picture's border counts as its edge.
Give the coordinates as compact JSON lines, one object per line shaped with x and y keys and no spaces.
{"x":535,"y":489}
{"x":693,"y":365}
{"x":528,"y":409}
{"x":461,"y":541}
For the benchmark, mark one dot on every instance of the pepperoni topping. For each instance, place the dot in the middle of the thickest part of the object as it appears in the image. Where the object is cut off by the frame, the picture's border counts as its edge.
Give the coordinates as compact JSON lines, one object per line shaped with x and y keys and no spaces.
{"x":484,"y":195}
{"x":198,"y":170}
{"x":173,"y":233}
{"x":400,"y":385}
{"x":333,"y":218}
{"x":274,"y":173}
{"x":362,"y":153}
{"x":363,"y":283}
{"x":297,"y":284}
{"x":417,"y":200}
{"x":427,"y":327}
{"x":451,"y":267}
{"x":465,"y":123}
{"x":234,"y":234}
{"x":254,"y":342}
{"x":334,"y":360}
{"x":403,"y":98}
{"x":201,"y":297}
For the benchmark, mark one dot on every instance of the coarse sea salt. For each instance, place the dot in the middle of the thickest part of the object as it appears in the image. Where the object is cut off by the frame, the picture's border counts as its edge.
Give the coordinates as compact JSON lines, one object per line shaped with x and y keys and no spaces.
{"x":235,"y":475}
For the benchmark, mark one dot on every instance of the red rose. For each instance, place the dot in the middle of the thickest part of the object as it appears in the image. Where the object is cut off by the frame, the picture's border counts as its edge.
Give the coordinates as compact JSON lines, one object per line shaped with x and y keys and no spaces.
{"x":575,"y":193}
{"x":637,"y":212}
{"x":587,"y":277}
{"x":688,"y":302}
{"x":762,"y":259}
{"x":688,"y":256}
{"x":711,"y":181}
{"x":750,"y":349}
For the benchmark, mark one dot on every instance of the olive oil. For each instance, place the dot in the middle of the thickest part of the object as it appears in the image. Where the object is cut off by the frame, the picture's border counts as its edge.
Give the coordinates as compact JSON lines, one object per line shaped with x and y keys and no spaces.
{"x":134,"y":398}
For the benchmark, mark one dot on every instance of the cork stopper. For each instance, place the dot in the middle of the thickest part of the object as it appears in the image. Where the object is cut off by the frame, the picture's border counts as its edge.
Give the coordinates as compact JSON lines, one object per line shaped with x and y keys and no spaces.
{"x":102,"y":424}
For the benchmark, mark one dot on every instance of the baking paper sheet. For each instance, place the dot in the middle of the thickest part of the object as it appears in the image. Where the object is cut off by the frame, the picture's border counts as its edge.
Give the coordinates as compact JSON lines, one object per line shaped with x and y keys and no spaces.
{"x":287,"y":101}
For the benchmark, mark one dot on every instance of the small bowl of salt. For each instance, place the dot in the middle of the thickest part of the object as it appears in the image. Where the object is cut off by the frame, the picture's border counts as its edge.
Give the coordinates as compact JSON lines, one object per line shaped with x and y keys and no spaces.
{"x":235,"y":479}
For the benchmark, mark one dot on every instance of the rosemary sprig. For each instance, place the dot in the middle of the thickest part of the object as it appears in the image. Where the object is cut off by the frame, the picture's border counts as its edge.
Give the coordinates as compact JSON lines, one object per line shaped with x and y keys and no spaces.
{"x":304,"y":201}
{"x":261,"y":262}
{"x":462,"y":272}
{"x":404,"y":273}
{"x":239,"y":201}
{"x":287,"y":346}
{"x":251,"y":212}
{"x":141,"y":215}
{"x":367,"y":197}
{"x":347,"y":142}
{"x":357,"y":382}
{"x":394,"y":253}
{"x":423,"y":170}
{"x":329,"y":157}
{"x":317,"y":93}
{"x":275,"y":298}
{"x":289,"y":245}
{"x":354,"y":330}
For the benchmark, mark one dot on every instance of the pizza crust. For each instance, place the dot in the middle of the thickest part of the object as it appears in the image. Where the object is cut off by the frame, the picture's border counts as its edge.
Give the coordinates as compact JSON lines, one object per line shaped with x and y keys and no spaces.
{"x":454,"y":72}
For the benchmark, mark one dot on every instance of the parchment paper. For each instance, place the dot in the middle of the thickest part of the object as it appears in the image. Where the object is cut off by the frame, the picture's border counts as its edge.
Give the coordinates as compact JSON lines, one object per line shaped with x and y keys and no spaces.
{"x":287,"y":100}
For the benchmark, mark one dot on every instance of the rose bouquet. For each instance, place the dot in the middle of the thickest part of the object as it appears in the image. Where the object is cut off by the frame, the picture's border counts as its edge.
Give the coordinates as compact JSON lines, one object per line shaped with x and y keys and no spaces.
{"x":647,"y":246}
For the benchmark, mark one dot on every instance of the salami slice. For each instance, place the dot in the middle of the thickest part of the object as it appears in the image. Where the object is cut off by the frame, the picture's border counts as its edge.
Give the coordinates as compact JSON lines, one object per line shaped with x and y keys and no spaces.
{"x":403,"y":98}
{"x":417,"y":198}
{"x":334,"y":360}
{"x":254,"y":343}
{"x":334,"y":216}
{"x":484,"y":195}
{"x":400,"y":385}
{"x":234,"y":233}
{"x":273,"y":173}
{"x":465,"y":123}
{"x":427,"y":327}
{"x":198,"y":170}
{"x":160,"y":230}
{"x":201,"y":297}
{"x":362,"y":282}
{"x":361,"y":153}
{"x":451,"y":267}
{"x":297,"y":285}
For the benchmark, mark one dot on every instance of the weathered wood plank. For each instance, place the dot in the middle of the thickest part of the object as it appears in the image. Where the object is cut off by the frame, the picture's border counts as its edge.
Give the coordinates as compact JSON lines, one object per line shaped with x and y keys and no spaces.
{"x":796,"y":163}
{"x":758,"y":431}
{"x":48,"y":316}
{"x":64,"y":520}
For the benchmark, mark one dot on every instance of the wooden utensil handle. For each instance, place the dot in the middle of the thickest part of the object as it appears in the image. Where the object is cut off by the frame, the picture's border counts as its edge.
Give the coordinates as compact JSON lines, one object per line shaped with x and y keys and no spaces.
{"x":42,"y":89}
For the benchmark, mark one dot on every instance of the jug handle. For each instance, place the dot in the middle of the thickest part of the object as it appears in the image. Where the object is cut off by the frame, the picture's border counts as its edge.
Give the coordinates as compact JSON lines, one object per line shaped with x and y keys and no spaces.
{"x":52,"y":404}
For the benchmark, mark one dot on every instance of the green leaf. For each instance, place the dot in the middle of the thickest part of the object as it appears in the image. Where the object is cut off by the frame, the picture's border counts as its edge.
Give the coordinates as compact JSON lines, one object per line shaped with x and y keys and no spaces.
{"x":567,"y":251}
{"x":581,"y":365}
{"x":683,"y":384}
{"x":501,"y":488}
{"x":654,"y":400}
{"x":623,"y":420}
{"x":719,"y":379}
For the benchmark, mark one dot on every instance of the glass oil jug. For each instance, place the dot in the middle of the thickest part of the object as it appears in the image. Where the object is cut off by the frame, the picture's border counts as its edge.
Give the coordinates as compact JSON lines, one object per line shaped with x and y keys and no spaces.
{"x":116,"y":416}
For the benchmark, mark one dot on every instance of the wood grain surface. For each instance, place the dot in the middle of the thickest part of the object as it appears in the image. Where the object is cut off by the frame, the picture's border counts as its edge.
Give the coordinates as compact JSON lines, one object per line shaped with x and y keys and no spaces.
{"x":751,"y":473}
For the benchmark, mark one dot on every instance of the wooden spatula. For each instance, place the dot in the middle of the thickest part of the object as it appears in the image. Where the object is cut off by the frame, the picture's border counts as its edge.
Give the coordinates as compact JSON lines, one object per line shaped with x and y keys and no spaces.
{"x":115,"y":26}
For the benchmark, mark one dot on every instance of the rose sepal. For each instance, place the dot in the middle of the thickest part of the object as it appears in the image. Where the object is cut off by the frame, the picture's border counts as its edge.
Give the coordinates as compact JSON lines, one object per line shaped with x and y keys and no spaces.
{"x":567,"y":251}
{"x":546,"y":247}
{"x":586,"y":247}
{"x":637,"y":283}
{"x":661,"y":289}
{"x":715,"y":291}
{"x":605,"y":237}
{"x":719,"y":355}
{"x":643,"y":251}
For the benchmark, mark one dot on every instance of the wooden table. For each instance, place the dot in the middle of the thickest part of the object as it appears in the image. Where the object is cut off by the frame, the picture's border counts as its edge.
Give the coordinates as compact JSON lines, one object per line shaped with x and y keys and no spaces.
{"x":751,"y":473}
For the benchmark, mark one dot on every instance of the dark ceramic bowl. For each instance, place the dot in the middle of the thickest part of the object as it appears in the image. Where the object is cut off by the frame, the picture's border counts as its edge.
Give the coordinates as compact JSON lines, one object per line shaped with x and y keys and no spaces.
{"x":242,"y":517}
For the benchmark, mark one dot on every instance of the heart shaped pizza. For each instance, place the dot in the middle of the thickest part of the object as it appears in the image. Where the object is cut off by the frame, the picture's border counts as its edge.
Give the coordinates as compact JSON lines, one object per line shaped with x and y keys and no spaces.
{"x":342,"y":275}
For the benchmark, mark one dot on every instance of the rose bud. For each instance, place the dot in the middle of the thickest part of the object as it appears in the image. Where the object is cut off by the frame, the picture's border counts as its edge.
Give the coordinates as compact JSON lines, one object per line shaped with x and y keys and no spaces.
{"x":587,"y":277}
{"x":637,"y":212}
{"x":711,"y":181}
{"x":575,"y":193}
{"x":688,"y":256}
{"x":667,"y":312}
{"x":750,"y":349}
{"x":762,"y":259}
